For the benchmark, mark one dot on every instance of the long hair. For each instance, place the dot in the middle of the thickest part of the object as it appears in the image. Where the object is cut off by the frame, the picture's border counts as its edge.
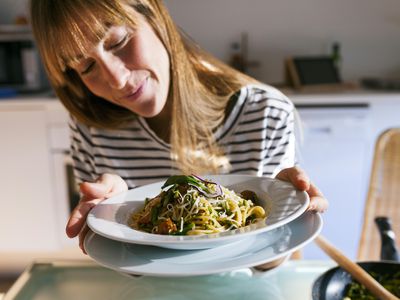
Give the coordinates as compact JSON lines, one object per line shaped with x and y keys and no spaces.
{"x":200,"y":85}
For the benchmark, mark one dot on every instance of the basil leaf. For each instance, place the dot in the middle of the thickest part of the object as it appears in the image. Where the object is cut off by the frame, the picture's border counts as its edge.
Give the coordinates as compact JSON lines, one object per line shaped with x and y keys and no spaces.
{"x":179,"y":179}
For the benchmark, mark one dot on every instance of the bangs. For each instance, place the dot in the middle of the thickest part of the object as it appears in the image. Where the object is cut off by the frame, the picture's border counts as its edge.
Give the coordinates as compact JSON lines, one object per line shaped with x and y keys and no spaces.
{"x":87,"y":23}
{"x":76,"y":25}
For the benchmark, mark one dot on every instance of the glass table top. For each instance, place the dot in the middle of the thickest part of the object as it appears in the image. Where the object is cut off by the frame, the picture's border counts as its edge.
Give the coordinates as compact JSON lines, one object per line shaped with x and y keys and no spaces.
{"x":85,"y":280}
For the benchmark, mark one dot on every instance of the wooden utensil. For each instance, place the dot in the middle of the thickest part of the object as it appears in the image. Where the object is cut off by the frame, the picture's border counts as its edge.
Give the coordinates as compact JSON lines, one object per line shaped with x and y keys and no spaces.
{"x":355,"y":270}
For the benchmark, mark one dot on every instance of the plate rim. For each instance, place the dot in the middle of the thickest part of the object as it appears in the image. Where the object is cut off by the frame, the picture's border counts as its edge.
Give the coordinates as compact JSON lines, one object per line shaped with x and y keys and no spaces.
{"x":193,"y":242}
{"x":310,"y":237}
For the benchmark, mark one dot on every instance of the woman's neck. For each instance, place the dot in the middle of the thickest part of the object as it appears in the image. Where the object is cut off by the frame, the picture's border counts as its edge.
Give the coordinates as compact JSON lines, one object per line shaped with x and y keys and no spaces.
{"x":161,"y":124}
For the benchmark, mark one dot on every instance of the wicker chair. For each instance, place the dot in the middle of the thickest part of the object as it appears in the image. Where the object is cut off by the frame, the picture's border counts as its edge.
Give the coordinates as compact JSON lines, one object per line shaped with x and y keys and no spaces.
{"x":383,"y":195}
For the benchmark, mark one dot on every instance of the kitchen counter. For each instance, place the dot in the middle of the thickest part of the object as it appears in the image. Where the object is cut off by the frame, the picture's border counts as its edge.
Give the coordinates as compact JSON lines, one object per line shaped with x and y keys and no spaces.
{"x":355,"y":97}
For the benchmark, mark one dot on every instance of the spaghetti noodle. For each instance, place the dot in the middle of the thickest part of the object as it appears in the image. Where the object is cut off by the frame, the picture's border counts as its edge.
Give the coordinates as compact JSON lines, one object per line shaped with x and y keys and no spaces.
{"x":189,"y":205}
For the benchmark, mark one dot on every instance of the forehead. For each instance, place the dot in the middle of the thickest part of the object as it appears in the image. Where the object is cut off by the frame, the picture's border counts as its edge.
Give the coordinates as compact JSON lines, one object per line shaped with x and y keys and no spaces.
{"x":113,"y":33}
{"x":79,"y":32}
{"x":82,"y":45}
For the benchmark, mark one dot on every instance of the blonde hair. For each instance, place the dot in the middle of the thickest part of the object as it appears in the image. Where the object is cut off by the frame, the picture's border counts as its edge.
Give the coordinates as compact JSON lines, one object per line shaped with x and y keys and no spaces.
{"x":200,"y":87}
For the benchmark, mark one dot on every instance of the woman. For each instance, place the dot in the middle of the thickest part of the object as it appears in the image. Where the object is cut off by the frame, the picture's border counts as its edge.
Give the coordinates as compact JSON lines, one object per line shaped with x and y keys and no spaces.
{"x":146,"y":103}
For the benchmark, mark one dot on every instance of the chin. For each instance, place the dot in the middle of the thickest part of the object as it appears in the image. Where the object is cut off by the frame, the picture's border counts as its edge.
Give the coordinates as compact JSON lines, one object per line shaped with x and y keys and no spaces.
{"x":150,"y":112}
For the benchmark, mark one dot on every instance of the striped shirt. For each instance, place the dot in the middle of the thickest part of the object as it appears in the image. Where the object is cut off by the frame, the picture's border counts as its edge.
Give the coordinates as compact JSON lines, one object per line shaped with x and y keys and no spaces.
{"x":257,"y":137}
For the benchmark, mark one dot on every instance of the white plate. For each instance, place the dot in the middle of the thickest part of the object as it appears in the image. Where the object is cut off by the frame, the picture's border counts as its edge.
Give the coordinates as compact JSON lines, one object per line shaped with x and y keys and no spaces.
{"x":282,"y":202}
{"x":252,"y":251}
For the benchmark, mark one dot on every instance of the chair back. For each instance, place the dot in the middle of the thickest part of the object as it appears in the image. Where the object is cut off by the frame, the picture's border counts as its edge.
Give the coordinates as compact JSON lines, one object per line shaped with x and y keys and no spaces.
{"x":383,"y":197}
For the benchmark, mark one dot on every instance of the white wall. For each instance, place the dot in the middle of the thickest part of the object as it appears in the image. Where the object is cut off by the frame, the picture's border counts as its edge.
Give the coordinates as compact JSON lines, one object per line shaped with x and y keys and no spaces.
{"x":368,"y":30}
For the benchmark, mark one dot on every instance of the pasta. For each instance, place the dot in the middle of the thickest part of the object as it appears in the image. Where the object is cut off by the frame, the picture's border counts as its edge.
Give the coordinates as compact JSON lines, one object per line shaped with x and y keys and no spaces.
{"x":189,"y":205}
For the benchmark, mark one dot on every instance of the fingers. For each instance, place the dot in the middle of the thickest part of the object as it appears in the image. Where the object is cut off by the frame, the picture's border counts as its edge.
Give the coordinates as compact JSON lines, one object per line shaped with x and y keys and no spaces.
{"x":93,"y":193}
{"x":296,"y":176}
{"x":314,"y":191}
{"x":271,"y":265}
{"x":317,"y":200}
{"x":301,"y":181}
{"x":93,"y":190}
{"x":318,"y":204}
{"x":82,"y":236}
{"x":78,"y":216}
{"x":104,"y":185}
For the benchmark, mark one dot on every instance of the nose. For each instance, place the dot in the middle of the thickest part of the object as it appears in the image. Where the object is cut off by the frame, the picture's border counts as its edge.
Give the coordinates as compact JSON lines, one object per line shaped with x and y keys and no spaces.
{"x":114,"y":71}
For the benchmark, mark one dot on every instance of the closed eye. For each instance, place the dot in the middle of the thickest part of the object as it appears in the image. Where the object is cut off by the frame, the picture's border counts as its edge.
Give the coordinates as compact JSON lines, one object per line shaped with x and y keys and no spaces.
{"x":120,"y":43}
{"x":88,"y":69}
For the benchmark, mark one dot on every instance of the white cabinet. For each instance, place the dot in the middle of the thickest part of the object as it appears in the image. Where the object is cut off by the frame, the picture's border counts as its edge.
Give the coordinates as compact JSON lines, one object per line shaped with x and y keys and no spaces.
{"x":29,"y":208}
{"x":337,"y":150}
{"x":334,"y":154}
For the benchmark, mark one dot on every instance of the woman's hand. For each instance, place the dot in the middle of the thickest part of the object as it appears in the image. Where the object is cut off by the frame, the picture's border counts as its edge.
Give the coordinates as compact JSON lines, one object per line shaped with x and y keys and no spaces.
{"x":302,"y":182}
{"x":106,"y":186}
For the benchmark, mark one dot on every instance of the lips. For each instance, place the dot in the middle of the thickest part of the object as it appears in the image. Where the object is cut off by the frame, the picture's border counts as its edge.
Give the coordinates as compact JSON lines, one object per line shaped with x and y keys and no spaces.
{"x":134,"y":94}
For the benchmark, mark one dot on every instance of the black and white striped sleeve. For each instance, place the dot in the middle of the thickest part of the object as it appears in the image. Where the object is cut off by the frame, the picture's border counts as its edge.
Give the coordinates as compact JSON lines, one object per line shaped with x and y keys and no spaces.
{"x":272,"y":115}
{"x":281,"y":142}
{"x":82,"y":152}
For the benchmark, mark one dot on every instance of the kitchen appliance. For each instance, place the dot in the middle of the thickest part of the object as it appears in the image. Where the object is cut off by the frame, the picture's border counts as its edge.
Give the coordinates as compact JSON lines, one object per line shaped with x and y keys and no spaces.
{"x":20,"y":65}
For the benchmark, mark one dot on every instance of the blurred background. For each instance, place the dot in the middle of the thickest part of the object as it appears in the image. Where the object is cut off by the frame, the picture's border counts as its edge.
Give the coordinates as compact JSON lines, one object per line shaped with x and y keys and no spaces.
{"x":367,"y":31}
{"x":255,"y":36}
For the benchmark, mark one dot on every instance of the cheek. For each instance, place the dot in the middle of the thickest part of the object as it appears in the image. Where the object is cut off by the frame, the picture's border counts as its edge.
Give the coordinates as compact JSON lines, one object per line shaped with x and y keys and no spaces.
{"x":97,"y":87}
{"x":164,"y":57}
{"x":167,"y":64}
{"x":94,"y":82}
{"x":163,"y":62}
{"x":153,"y":52}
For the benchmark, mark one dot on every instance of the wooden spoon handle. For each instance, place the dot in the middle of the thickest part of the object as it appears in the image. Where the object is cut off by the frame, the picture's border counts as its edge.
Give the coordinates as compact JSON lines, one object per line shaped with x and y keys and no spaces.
{"x":355,"y":270}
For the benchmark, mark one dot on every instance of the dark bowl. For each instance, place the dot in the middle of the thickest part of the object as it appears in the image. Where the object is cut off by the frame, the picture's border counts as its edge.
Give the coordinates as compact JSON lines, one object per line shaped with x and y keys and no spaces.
{"x":333,"y":284}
